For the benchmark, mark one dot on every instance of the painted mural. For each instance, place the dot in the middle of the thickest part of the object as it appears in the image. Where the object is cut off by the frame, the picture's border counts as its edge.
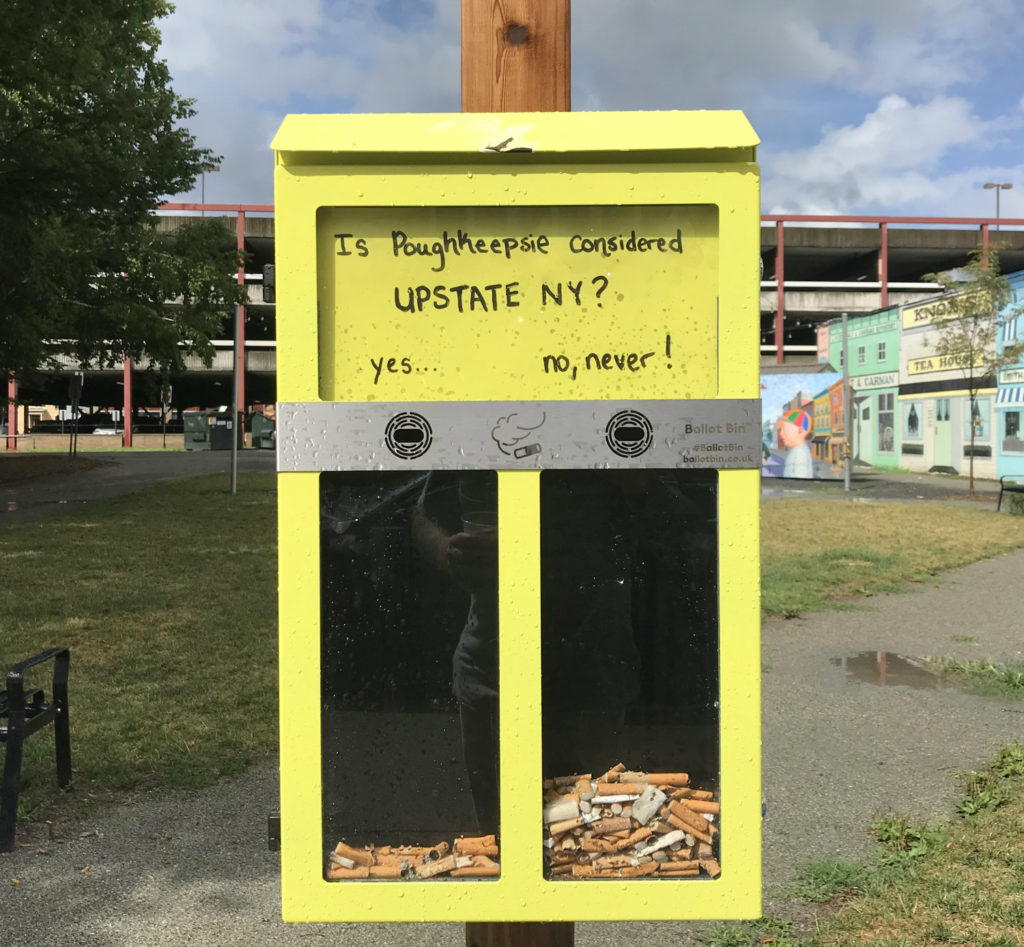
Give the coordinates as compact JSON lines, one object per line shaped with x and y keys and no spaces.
{"x":802,"y":432}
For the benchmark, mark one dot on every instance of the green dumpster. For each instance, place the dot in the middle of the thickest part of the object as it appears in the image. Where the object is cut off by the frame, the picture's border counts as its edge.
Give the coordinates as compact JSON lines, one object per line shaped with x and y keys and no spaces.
{"x":264,"y":432}
{"x":209,"y":430}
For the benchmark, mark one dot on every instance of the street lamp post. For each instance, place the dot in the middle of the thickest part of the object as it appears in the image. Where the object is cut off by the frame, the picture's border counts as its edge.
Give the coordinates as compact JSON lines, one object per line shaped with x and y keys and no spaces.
{"x":998,"y":187}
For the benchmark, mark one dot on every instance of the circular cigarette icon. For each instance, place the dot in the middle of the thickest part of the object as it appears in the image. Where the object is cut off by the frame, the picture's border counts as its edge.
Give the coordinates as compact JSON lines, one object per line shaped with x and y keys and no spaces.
{"x":629,"y":433}
{"x":408,"y":435}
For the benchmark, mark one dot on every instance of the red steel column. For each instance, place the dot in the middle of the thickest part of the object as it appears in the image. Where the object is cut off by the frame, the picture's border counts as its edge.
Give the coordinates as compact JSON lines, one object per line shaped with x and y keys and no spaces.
{"x":126,"y":437}
{"x":12,"y":413}
{"x":883,"y":264}
{"x":780,"y":293}
{"x":240,"y":354}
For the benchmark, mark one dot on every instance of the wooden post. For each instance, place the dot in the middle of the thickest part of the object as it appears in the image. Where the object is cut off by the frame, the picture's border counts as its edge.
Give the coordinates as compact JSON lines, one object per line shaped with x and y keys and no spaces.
{"x":515,"y":58}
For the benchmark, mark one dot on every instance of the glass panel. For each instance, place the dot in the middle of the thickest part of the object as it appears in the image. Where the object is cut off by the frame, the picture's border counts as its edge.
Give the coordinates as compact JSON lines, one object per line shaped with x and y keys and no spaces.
{"x":913,"y":420}
{"x":629,"y":638}
{"x":409,"y":674}
{"x":1012,"y":442}
{"x":886,"y":421}
{"x":977,"y":417}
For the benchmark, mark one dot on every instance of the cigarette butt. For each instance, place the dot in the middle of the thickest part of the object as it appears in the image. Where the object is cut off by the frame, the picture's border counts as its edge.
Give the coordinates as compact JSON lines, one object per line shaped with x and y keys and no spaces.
{"x":568,"y":844}
{"x":439,"y":850}
{"x":583,"y":785}
{"x":665,"y":841}
{"x":341,"y":861}
{"x":359,"y":856}
{"x":638,"y":871}
{"x":385,"y":871}
{"x":704,"y":849}
{"x":668,"y":872}
{"x":583,"y":871}
{"x":668,"y":779}
{"x":528,"y":451}
{"x":642,"y":834}
{"x":683,"y":811}
{"x":597,"y":845}
{"x":613,"y":774}
{"x":703,"y":805}
{"x":336,"y":872}
{"x":619,"y":788}
{"x":477,"y":845}
{"x":674,"y":864}
{"x":491,"y":871}
{"x":561,"y":810}
{"x":608,"y":826}
{"x":711,"y":866}
{"x":673,"y":819}
{"x":561,"y":869}
{"x":685,"y":792}
{"x":612,"y":861}
{"x":439,"y":867}
{"x":566,"y":825}
{"x":400,"y":860}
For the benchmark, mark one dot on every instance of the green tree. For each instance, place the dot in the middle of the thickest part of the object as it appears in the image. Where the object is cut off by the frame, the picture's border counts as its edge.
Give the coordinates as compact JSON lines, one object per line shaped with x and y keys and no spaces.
{"x":968,"y":319}
{"x":92,"y":137}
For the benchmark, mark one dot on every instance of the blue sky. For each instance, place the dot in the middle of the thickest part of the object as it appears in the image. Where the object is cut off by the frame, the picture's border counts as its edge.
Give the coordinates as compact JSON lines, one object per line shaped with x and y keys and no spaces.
{"x":875,"y":107}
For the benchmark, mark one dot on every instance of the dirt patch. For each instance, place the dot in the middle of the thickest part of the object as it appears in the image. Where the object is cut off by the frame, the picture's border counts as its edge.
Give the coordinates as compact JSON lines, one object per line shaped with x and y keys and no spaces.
{"x":16,"y":468}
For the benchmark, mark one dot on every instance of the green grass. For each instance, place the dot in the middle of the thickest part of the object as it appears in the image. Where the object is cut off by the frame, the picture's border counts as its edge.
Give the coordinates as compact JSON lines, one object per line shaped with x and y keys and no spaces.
{"x":956,"y":882}
{"x":997,"y":678}
{"x":167,"y":600}
{"x":962,"y":883}
{"x":824,"y":880}
{"x":821,"y":555}
{"x":765,"y":930}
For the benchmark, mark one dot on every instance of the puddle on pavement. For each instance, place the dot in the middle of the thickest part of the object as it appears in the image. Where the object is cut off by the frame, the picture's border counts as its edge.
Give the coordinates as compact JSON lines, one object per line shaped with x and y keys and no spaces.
{"x":889,"y":669}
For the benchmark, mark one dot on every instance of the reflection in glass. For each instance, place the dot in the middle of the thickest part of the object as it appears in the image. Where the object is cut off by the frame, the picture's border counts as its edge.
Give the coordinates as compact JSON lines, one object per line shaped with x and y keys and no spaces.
{"x":629,"y":612}
{"x":409,"y":674}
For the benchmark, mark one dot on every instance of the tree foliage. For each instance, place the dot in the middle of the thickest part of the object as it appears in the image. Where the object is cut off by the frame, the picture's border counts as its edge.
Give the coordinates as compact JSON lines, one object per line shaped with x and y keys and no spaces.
{"x":92,"y":137}
{"x":967,"y":322}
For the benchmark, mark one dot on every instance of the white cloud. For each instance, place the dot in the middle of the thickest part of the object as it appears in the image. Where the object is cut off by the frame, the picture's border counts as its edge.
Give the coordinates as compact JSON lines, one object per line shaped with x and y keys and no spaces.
{"x":898,"y":156}
{"x":856,"y":103}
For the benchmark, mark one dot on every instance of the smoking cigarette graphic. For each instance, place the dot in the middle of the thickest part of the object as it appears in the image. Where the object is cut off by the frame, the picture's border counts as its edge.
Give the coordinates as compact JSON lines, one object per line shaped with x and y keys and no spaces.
{"x":510,"y":432}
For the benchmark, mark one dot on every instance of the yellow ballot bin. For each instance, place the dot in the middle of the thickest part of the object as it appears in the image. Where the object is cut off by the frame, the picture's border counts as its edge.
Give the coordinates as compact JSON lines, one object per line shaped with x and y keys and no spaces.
{"x":518,"y":449}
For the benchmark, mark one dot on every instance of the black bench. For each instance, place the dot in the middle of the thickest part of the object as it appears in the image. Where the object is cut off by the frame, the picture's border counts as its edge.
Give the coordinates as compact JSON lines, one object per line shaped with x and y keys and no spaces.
{"x":1009,"y":485}
{"x":22,"y":713}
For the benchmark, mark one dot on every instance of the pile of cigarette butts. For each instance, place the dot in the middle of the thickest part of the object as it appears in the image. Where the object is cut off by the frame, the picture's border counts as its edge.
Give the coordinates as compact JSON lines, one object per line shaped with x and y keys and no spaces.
{"x":629,"y":825}
{"x":464,"y":858}
{"x":622,"y":824}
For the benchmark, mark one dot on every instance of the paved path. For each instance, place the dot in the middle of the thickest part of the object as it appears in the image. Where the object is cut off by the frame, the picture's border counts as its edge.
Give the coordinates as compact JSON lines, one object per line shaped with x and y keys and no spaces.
{"x":840,"y":747}
{"x":116,"y":473}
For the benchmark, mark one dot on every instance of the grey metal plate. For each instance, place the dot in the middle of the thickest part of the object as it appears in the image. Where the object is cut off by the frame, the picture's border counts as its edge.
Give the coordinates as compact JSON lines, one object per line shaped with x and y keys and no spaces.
{"x":526,"y":435}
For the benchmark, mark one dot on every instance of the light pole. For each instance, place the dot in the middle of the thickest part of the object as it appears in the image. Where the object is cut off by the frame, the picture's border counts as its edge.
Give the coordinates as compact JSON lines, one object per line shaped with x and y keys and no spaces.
{"x":212,"y":168}
{"x":999,"y":187}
